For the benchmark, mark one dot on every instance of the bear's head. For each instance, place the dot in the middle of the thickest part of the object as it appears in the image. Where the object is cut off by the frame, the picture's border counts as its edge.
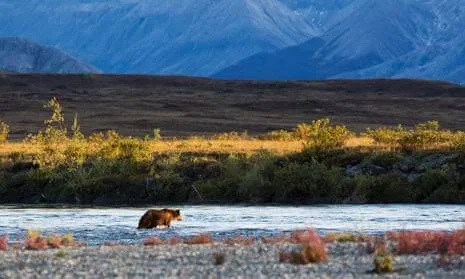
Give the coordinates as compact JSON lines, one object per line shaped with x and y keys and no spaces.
{"x":177,"y":215}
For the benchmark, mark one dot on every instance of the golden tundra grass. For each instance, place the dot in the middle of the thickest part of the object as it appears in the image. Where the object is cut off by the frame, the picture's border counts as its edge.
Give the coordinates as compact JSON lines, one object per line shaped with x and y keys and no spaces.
{"x":203,"y":145}
{"x":189,"y":145}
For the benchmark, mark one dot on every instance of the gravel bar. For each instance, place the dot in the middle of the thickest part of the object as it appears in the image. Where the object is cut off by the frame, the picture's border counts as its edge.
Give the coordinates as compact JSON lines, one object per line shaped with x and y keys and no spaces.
{"x":346,"y":260}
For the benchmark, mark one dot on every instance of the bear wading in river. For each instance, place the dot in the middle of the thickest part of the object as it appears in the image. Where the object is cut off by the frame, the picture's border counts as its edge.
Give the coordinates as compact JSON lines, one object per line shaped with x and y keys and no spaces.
{"x":155,"y":218}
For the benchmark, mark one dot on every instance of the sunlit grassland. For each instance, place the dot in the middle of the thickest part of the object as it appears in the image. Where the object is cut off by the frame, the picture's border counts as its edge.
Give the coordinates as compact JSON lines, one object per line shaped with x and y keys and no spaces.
{"x":195,"y":145}
{"x":233,"y":146}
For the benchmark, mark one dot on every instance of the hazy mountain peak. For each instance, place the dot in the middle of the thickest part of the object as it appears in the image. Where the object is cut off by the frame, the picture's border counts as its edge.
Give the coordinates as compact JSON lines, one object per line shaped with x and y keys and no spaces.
{"x":21,"y":55}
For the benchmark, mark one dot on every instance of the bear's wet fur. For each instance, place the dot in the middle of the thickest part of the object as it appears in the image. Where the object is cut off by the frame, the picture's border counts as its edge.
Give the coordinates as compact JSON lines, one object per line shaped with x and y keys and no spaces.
{"x":154,"y":218}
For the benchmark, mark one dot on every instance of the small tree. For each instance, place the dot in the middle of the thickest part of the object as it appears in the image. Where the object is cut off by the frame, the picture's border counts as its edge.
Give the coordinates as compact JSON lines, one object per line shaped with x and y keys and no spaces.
{"x":55,"y":126}
{"x":76,"y":129}
{"x":4,"y":131}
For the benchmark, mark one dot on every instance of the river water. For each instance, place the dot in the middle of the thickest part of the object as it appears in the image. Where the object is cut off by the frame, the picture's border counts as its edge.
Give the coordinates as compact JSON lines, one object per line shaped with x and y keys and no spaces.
{"x":99,"y":225}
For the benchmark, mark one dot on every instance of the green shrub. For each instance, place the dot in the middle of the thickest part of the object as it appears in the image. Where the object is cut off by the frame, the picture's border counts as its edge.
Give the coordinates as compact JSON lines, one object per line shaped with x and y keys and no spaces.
{"x":4,"y":131}
{"x":280,"y":135}
{"x":458,"y":141}
{"x":384,"y":262}
{"x":384,"y":159}
{"x":307,"y":182}
{"x":232,"y":136}
{"x":363,"y":185}
{"x":320,"y":134}
{"x":429,"y":182}
{"x":391,"y":188}
{"x":424,"y":135}
{"x":156,"y":134}
{"x":385,"y":135}
{"x":55,"y":131}
{"x":115,"y":147}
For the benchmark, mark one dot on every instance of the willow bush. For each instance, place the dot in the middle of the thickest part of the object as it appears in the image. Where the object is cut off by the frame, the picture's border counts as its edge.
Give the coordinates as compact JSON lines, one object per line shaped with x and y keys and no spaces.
{"x":4,"y":131}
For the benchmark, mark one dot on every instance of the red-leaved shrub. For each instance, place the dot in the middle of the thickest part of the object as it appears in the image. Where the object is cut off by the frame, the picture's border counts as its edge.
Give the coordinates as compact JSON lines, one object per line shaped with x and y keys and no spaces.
{"x":35,"y":241}
{"x":239,"y":240}
{"x":312,"y":249}
{"x":153,"y":241}
{"x":3,"y":242}
{"x":199,"y":239}
{"x":174,"y":240}
{"x":420,"y":242}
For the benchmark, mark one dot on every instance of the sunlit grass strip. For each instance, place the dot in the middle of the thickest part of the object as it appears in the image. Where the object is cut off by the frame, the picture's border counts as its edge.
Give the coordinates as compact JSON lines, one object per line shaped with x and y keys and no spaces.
{"x":197,"y":145}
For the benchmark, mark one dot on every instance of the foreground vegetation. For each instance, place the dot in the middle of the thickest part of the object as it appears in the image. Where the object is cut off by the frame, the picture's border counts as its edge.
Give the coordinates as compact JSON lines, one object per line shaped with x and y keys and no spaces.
{"x":314,"y":163}
{"x":305,"y":247}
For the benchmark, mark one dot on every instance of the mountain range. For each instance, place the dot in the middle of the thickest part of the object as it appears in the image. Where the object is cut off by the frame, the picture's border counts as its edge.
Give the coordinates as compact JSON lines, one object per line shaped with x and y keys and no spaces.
{"x":251,"y":39}
{"x":23,"y":56}
{"x":395,"y":38}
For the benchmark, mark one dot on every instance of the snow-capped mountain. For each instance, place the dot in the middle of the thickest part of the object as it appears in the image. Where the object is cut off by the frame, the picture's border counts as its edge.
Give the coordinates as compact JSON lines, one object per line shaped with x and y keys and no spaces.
{"x":23,"y":56}
{"x":395,"y":38}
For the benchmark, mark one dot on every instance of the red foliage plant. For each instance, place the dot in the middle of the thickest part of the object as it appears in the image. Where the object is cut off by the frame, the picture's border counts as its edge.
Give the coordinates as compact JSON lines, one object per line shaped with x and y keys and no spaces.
{"x":239,"y":240}
{"x":281,"y":238}
{"x":111,"y":244}
{"x":153,"y":241}
{"x":54,"y":241}
{"x":376,"y":245}
{"x":418,"y":242}
{"x":174,"y":240}
{"x":34,"y":241}
{"x":312,"y":250}
{"x":199,"y":239}
{"x":3,"y":242}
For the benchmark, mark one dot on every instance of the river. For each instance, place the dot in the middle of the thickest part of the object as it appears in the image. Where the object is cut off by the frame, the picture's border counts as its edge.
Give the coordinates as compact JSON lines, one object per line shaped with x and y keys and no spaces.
{"x":99,"y":225}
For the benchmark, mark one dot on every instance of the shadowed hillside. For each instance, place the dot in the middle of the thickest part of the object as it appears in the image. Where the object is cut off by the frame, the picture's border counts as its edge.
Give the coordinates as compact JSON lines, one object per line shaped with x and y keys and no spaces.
{"x":135,"y":105}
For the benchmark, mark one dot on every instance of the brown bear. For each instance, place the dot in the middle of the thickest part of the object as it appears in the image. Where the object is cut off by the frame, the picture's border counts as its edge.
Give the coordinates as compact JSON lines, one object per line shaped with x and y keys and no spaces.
{"x":155,"y":217}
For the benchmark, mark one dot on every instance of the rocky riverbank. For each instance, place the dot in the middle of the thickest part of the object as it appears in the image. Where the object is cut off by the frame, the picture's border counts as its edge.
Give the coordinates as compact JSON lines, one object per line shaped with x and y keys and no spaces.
{"x":219,"y":260}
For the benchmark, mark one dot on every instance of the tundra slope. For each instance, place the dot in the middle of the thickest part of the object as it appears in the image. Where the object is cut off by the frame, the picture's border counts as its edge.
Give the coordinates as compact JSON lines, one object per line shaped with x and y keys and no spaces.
{"x":180,"y":106}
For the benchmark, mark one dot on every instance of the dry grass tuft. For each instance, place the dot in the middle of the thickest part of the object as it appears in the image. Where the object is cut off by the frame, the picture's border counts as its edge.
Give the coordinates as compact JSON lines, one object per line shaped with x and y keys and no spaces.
{"x":344,"y":237}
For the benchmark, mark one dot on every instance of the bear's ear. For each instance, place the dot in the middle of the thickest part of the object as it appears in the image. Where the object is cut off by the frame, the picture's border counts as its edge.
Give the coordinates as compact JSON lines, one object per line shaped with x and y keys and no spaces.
{"x":178,"y":211}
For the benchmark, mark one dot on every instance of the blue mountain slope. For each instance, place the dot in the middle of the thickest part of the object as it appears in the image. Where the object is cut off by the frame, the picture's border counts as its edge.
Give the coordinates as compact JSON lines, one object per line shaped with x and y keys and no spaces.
{"x":192,"y":37}
{"x":396,"y":38}
{"x":24,"y":56}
